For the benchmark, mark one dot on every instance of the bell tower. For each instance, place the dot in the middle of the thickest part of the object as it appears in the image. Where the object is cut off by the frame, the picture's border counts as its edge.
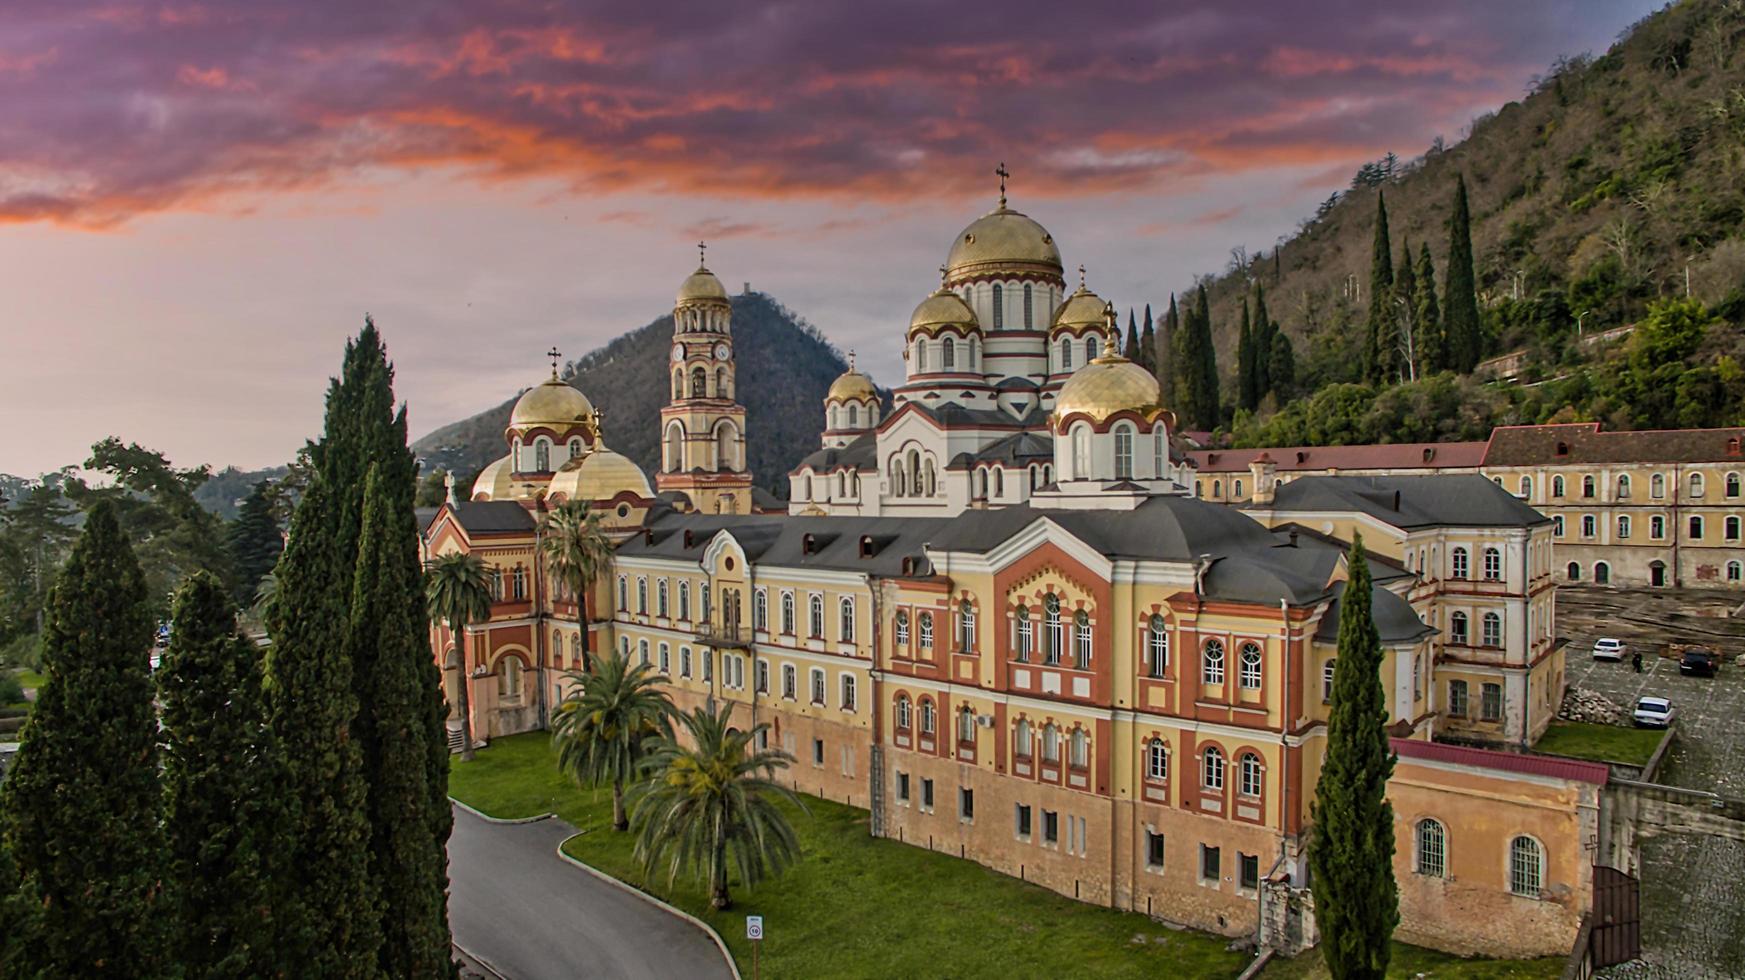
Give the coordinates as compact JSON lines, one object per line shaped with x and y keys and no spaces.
{"x":703,"y":425}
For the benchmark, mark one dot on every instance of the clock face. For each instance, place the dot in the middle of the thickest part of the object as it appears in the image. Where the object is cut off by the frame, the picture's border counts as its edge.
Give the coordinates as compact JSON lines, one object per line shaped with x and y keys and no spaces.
{"x":721,"y":352}
{"x":678,"y":352}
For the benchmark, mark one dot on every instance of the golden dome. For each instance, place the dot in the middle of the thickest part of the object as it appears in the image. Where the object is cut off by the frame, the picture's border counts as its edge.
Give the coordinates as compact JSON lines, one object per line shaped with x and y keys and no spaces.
{"x":1109,"y":384}
{"x":600,"y":475}
{"x":852,"y":386}
{"x":493,"y":482}
{"x":1003,"y":242}
{"x":554,"y":403}
{"x":1082,"y":309}
{"x":943,"y":308}
{"x":701,"y":284}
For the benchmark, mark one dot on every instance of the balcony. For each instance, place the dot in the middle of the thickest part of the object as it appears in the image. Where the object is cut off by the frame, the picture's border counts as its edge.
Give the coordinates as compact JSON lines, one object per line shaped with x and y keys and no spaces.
{"x":723,"y":636}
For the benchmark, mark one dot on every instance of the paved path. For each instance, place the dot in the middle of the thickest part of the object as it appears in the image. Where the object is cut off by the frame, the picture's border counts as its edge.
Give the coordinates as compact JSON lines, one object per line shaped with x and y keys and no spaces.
{"x":515,"y":903}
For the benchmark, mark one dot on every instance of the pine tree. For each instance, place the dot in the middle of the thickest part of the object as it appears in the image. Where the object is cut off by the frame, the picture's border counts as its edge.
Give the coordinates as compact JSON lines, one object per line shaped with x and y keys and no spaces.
{"x":80,"y":812}
{"x":1281,"y":367}
{"x":410,"y":872}
{"x":1264,"y":332}
{"x":1351,"y":856}
{"x":1148,"y":343}
{"x":1460,"y":321}
{"x":255,"y":542}
{"x":221,"y":769}
{"x":1246,"y":397}
{"x":1405,"y":312}
{"x":1435,"y":343}
{"x":1378,"y":358}
{"x":1131,"y":351}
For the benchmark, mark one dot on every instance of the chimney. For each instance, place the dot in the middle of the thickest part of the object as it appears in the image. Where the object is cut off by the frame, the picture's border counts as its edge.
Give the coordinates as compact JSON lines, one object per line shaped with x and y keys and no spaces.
{"x":1293,"y":538}
{"x":1396,"y":500}
{"x":1265,"y":474}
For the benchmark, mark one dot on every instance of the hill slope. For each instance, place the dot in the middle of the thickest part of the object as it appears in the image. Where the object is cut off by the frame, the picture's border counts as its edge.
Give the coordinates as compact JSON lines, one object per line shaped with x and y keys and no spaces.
{"x":785,"y":368}
{"x":1596,"y":192}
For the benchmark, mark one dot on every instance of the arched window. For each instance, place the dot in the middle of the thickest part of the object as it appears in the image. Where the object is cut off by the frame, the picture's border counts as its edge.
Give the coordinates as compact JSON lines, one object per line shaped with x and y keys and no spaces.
{"x":966,"y":725}
{"x":854,"y":416}
{"x":914,"y":468}
{"x":999,"y":307}
{"x":1573,"y":572}
{"x":1081,"y":628}
{"x":623,"y":594}
{"x":1587,"y":487}
{"x":1493,"y":565}
{"x":575,"y":448}
{"x":1657,"y":486}
{"x":1080,"y":747}
{"x":1732,"y":484}
{"x":1735,"y":571}
{"x":721,"y":387}
{"x":1589,"y":525}
{"x":1091,"y":346}
{"x":678,"y":384}
{"x":726,"y":447}
{"x":510,"y":680}
{"x":832,"y":423}
{"x":1432,"y":848}
{"x":1657,"y":527}
{"x":1050,"y":744}
{"x":1250,"y":774}
{"x":1696,"y":528}
{"x":806,"y":486}
{"x":1696,"y":485}
{"x":788,"y":613}
{"x":1123,"y":452}
{"x":921,"y":355}
{"x":1025,"y":641}
{"x":848,"y":692}
{"x":1235,"y":489}
{"x":1212,"y":663}
{"x":1051,"y":631}
{"x":999,"y":482}
{"x":1156,"y":647}
{"x":1527,"y":487}
{"x":642,"y":596}
{"x":541,"y":456}
{"x":901,"y":628}
{"x":966,"y":627}
{"x":1021,"y":740}
{"x":759,"y":608}
{"x":675,"y":447}
{"x":1557,"y":486}
{"x":929,"y":721}
{"x":699,"y":382}
{"x":1526,"y":867}
{"x":948,"y":355}
{"x":1557,"y":525}
{"x":1159,"y":453}
{"x":1623,"y":486}
{"x":928,"y":484}
{"x":1730,"y":529}
{"x":815,"y":617}
{"x":1623,"y":525}
{"x":1028,"y":308}
{"x":1212,"y":769}
{"x":847,"y":615}
{"x":1157,"y":761}
{"x":898,"y":483}
{"x":1065,"y":354}
{"x":660,"y":598}
{"x":904,"y":718}
{"x":1602,"y":573}
{"x":1492,"y":626}
{"x":1457,"y":631}
{"x":1250,"y":667}
{"x":1081,"y":451}
{"x":1327,"y":671}
{"x":925,"y":631}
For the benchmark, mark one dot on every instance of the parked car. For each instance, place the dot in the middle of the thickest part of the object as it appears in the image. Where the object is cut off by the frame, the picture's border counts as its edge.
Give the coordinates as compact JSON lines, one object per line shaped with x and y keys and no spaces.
{"x":1607,"y":648}
{"x":1698,"y":662}
{"x":1652,"y":712}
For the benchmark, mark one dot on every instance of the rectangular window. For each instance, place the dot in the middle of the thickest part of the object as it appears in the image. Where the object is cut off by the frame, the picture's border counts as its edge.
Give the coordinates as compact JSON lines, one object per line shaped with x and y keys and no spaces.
{"x":763,"y":677}
{"x":1492,"y":705}
{"x":1209,"y":870}
{"x":927,"y":795}
{"x":1248,"y":871}
{"x":1021,"y":820}
{"x":966,"y":803}
{"x":684,"y":661}
{"x":817,"y":685}
{"x":902,"y":787}
{"x":1050,"y":827}
{"x":790,"y":682}
{"x":1457,"y":698}
{"x":1153,"y":850}
{"x":818,"y":752}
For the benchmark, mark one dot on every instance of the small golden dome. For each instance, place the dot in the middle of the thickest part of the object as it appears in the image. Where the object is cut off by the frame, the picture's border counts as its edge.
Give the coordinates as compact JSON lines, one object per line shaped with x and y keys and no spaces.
{"x":1109,"y":384}
{"x":852,"y":386}
{"x":944,"y":308}
{"x":1003,"y":242}
{"x":1082,"y":309}
{"x":554,"y":403}
{"x":701,"y":284}
{"x":600,"y":475}
{"x":493,"y":482}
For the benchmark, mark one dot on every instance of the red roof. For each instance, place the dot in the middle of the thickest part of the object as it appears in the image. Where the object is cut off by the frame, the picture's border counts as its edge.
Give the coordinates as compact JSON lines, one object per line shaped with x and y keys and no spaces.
{"x":1535,"y":765}
{"x":1404,"y":455}
{"x":1583,"y":442}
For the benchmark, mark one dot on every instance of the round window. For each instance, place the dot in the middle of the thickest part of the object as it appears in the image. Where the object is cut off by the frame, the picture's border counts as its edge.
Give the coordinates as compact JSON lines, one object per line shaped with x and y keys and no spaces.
{"x":729,"y":563}
{"x":623,"y":510}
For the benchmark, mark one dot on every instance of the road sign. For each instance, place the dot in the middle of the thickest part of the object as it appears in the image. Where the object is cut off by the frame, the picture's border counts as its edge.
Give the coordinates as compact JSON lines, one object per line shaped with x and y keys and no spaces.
{"x":754,"y":927}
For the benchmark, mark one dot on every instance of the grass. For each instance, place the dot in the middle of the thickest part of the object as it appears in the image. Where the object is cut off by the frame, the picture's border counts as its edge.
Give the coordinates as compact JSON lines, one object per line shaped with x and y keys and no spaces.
{"x":1415,"y":961}
{"x":856,"y":906}
{"x":30,"y":679}
{"x":1601,"y":743}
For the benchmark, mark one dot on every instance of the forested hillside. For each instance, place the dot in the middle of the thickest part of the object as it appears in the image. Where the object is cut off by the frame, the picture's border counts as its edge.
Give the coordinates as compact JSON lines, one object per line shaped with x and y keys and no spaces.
{"x":785,"y":367}
{"x":1615,"y":182}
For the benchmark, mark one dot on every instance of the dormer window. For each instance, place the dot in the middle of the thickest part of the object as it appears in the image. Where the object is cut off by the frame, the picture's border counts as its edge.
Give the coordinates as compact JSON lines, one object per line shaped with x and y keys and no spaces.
{"x":806,"y":544}
{"x":866,"y":546}
{"x":1563,"y":449}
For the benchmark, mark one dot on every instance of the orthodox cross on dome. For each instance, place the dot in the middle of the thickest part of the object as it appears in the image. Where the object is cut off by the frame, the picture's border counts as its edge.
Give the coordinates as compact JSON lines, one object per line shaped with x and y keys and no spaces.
{"x":851,"y":360}
{"x":944,"y":274}
{"x":1110,"y":320}
{"x":702,"y":249}
{"x":1003,"y":174}
{"x":554,"y":355}
{"x":1081,"y":275}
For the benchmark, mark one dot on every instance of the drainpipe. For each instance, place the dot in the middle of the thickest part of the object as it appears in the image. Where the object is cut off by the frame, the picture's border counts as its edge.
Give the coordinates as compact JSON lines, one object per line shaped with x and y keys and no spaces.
{"x":1677,"y":484}
{"x":539,"y":603}
{"x":1284,"y":782}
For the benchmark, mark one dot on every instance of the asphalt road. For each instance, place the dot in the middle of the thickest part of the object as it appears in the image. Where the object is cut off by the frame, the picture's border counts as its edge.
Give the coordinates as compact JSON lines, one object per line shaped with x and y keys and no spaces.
{"x":515,"y":904}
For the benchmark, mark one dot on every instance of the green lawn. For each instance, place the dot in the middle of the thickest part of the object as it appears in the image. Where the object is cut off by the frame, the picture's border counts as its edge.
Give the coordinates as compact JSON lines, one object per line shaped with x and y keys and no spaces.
{"x":30,"y":679}
{"x":1414,"y":961}
{"x":1602,"y":743}
{"x":860,"y":907}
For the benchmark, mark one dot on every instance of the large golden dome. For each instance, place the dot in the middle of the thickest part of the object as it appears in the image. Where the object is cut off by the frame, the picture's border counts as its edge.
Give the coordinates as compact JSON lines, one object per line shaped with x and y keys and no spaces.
{"x":1109,"y":384}
{"x":1000,"y":243}
{"x":600,"y":475}
{"x":701,"y":284}
{"x":1082,"y":309}
{"x":852,"y":386}
{"x":494,"y":482}
{"x":553,"y":403}
{"x":943,"y":308}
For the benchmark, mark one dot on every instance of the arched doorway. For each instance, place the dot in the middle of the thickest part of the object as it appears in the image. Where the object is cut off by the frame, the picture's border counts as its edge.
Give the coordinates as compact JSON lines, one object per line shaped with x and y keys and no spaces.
{"x":1602,"y":573}
{"x":1657,"y":574}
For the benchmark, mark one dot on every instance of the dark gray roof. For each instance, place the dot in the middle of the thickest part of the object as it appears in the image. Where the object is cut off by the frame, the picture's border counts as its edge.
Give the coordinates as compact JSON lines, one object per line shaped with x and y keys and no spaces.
{"x":953,"y":415}
{"x":492,"y":516}
{"x":1410,"y":501}
{"x":424,"y":515}
{"x":1017,"y":449}
{"x":776,"y":539}
{"x":1016,"y":383}
{"x":764,"y":500}
{"x":1395,"y":619}
{"x":861,"y":454}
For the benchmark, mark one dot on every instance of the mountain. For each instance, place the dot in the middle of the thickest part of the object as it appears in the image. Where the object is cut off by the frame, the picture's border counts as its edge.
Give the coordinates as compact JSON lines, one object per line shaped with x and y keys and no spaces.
{"x":225,"y":491}
{"x":1599,"y":191}
{"x":785,"y":366}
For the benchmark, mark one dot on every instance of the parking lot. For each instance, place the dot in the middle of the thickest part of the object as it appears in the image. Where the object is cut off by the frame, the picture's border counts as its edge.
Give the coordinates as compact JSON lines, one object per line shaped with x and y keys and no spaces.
{"x":1693,"y":887}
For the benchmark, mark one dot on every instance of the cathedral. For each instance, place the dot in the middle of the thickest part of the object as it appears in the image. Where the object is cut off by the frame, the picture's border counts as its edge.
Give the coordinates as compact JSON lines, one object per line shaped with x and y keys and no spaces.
{"x":999,"y":617}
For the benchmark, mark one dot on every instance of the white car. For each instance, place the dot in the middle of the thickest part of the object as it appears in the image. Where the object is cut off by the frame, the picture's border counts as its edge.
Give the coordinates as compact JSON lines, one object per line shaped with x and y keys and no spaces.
{"x":1652,"y":712}
{"x":1607,"y":648}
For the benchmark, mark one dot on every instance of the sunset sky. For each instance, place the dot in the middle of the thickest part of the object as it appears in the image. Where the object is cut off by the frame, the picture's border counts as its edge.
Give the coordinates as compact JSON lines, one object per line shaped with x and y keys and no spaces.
{"x":200,"y":201}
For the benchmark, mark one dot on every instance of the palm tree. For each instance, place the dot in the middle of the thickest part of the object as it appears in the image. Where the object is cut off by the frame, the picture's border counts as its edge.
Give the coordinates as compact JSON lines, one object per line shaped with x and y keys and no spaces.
{"x":458,"y":593}
{"x":711,"y":803}
{"x":578,"y":552}
{"x":605,"y":726}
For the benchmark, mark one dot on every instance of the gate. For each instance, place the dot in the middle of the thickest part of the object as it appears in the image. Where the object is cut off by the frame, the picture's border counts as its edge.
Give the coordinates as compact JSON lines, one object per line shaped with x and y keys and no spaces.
{"x":1617,"y":918}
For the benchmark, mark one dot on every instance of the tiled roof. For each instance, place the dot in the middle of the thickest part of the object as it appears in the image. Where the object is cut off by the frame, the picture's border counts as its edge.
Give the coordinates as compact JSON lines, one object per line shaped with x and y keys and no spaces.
{"x":1534,"y":765}
{"x":1405,"y":455}
{"x":492,"y":516}
{"x":1445,"y":500}
{"x":1542,"y":445}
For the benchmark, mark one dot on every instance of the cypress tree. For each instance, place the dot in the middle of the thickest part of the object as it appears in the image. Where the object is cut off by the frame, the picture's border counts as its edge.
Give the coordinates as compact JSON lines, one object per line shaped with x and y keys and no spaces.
{"x":221,"y":769}
{"x":1264,"y":331}
{"x":1246,"y":396}
{"x":1281,"y":367}
{"x":1207,"y":375}
{"x":1435,"y":343}
{"x":255,"y":542}
{"x":409,"y":871}
{"x":80,"y":811}
{"x":1378,"y":357}
{"x":1351,"y":857}
{"x":1167,"y":362}
{"x":1403,"y":303}
{"x":1460,"y":292}
{"x":1131,"y":351}
{"x":1148,"y":343}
